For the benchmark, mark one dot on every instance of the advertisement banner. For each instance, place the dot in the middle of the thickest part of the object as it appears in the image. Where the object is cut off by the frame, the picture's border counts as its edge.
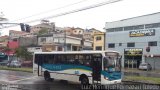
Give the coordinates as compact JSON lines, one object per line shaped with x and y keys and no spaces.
{"x":133,"y":51}
{"x":140,"y":33}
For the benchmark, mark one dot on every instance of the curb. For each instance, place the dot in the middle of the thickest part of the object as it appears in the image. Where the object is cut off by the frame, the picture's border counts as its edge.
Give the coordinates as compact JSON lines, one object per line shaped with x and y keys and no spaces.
{"x":138,"y":82}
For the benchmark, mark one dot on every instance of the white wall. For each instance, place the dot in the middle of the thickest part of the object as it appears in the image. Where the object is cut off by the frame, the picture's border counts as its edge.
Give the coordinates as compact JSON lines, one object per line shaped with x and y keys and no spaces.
{"x":146,"y":19}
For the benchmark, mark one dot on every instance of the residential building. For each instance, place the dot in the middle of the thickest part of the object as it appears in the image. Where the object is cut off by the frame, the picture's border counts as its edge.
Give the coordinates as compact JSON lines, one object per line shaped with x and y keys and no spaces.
{"x":98,"y":41}
{"x":45,"y":24}
{"x":64,"y":42}
{"x":73,"y":31}
{"x":4,"y":41}
{"x":14,"y":35}
{"x":132,"y":36}
{"x":35,"y":49}
{"x":89,"y":33}
{"x":28,"y":40}
{"x":78,"y":31}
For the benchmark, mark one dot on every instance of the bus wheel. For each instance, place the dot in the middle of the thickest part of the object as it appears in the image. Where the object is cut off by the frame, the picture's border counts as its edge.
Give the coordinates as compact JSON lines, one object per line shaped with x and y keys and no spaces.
{"x":84,"y":81}
{"x":47,"y":76}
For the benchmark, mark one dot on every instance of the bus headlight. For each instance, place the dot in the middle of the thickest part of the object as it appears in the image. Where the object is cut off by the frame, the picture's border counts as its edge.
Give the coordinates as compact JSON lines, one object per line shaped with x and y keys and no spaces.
{"x":106,"y":69}
{"x":106,"y":78}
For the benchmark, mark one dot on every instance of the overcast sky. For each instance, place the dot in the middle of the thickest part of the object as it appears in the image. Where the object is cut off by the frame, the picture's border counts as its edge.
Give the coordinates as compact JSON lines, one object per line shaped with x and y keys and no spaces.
{"x":17,"y":11}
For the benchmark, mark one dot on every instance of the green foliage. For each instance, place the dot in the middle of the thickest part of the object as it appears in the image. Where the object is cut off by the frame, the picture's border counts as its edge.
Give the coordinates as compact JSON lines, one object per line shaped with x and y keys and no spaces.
{"x":16,"y":69}
{"x":153,"y":80}
{"x":22,"y":52}
{"x":43,"y":31}
{"x":6,"y":49}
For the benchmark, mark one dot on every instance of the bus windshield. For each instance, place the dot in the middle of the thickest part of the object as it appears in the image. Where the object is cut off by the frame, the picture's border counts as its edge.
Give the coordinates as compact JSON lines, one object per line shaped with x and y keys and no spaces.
{"x":112,"y":63}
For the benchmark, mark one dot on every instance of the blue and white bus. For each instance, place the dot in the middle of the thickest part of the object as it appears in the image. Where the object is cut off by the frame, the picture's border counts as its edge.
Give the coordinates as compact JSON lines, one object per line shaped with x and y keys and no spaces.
{"x":85,"y":67}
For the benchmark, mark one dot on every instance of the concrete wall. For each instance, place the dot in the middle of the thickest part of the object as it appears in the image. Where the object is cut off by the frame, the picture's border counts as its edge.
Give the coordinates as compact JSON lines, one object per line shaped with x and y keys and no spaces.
{"x":146,"y":19}
{"x":28,"y":41}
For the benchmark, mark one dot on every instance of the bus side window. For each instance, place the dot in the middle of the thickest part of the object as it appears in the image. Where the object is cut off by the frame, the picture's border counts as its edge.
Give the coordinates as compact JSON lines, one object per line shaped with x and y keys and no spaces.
{"x":76,"y":61}
{"x":58,"y":59}
{"x":44,"y":59}
{"x":81,"y":59}
{"x":63,"y":59}
{"x":70,"y":59}
{"x":50,"y":59}
{"x":87,"y":60}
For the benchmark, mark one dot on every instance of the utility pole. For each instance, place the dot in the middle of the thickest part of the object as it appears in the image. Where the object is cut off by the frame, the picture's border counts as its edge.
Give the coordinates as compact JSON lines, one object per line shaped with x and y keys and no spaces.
{"x":65,"y":40}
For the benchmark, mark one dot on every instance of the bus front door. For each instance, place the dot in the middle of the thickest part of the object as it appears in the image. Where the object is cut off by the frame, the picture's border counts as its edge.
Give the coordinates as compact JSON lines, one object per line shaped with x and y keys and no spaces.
{"x":96,"y":70}
{"x":39,"y":68}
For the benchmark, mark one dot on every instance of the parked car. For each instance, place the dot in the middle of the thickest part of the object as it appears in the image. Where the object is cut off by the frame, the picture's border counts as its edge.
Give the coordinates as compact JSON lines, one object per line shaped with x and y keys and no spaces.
{"x":4,"y":63}
{"x":14,"y":63}
{"x":27,"y":64}
{"x":145,"y":66}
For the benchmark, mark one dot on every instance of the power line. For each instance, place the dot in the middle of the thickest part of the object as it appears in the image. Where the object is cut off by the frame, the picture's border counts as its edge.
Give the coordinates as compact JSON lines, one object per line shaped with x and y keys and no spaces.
{"x":77,"y":10}
{"x":51,"y":10}
{"x":73,"y":11}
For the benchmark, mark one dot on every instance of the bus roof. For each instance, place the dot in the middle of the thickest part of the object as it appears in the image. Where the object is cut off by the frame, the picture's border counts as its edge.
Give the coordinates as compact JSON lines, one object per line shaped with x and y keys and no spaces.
{"x":73,"y":52}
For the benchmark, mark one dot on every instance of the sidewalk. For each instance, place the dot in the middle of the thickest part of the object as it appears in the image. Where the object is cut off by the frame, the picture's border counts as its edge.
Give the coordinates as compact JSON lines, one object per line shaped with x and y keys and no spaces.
{"x":137,"y":72}
{"x":140,"y":76}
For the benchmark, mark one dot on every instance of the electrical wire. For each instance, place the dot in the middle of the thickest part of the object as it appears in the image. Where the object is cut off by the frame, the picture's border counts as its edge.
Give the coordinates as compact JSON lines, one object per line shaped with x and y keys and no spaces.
{"x":77,"y":10}
{"x":72,"y":11}
{"x":50,"y":10}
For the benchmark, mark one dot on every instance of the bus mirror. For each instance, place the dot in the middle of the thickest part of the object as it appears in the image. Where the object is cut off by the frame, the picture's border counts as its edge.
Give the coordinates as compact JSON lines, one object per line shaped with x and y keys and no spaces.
{"x":120,"y":57}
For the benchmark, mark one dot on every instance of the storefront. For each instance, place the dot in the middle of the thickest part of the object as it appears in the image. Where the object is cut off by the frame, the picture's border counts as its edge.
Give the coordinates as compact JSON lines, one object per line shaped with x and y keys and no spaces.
{"x":132,"y":57}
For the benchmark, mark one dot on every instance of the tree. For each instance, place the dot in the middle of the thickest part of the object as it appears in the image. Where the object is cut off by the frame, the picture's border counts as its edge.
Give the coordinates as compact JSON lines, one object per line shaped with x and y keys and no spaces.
{"x":22,"y":53}
{"x":6,"y":49}
{"x":43,"y":31}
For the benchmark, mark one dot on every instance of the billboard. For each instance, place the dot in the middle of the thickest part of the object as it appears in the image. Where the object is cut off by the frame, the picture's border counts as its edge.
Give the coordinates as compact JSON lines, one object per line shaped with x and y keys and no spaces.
{"x":140,"y":33}
{"x":133,"y":51}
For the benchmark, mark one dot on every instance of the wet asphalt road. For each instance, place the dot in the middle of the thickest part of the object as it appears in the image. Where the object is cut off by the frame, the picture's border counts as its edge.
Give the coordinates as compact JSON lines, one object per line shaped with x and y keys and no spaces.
{"x":14,"y":80}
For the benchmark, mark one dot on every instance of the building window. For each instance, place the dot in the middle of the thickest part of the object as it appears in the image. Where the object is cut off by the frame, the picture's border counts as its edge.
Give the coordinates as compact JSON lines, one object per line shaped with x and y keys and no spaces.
{"x":118,"y":29}
{"x":154,"y":25}
{"x":138,"y":27}
{"x":120,"y":44}
{"x":115,"y":29}
{"x":59,"y":48}
{"x":130,"y":44}
{"x":38,"y":48}
{"x":111,"y":45}
{"x":98,"y":38}
{"x":110,"y":30}
{"x":43,"y":39}
{"x":128,"y":28}
{"x":152,"y":43}
{"x":98,"y":47}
